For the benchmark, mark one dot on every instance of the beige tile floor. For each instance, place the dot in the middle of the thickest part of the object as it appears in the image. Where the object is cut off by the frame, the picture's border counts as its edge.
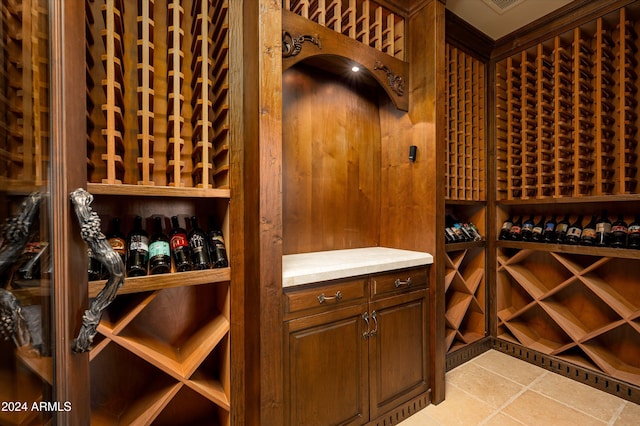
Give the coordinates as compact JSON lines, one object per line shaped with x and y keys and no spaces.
{"x":496,"y":389}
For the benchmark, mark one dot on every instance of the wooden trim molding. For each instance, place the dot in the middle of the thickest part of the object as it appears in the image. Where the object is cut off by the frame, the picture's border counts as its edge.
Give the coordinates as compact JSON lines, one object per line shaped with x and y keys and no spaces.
{"x":71,"y":371}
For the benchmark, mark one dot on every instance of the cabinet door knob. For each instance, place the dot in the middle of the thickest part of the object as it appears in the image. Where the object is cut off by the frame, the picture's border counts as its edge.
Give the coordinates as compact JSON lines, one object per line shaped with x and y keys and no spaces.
{"x":322,"y":298}
{"x":399,"y":282}
{"x":365,"y":317}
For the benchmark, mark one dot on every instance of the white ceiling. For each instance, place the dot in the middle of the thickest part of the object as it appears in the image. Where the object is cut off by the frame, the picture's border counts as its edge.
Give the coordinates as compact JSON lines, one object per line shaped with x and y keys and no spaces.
{"x":496,"y":25}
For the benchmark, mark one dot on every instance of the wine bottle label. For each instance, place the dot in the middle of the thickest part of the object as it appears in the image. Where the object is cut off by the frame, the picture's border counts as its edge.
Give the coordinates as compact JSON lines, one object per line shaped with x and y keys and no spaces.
{"x":139,"y":242}
{"x":515,"y":229}
{"x":604,"y":228}
{"x":159,"y":248}
{"x":619,"y":228}
{"x":589,"y":233}
{"x":634,"y":229}
{"x":196,"y":242}
{"x":117,"y":244}
{"x":562,"y":227}
{"x":179,"y":240}
{"x":574,"y":232}
{"x":507,"y":225}
{"x":527,"y":226}
{"x":537,"y":230}
{"x":549,"y":227}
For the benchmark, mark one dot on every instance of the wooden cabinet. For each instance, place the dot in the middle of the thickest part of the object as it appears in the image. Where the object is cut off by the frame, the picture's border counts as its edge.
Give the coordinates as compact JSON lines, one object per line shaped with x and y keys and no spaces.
{"x":351,"y":356}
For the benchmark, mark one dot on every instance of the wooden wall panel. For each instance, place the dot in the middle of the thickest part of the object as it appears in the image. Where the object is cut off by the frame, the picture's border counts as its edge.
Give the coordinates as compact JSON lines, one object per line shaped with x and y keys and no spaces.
{"x":331,"y":163}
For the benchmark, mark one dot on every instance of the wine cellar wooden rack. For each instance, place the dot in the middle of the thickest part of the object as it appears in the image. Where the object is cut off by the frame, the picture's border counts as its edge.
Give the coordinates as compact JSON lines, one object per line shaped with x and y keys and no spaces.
{"x":363,"y":20}
{"x":158,"y":135}
{"x":465,"y":118}
{"x":567,"y":114}
{"x":24,"y":106}
{"x":581,"y":308}
{"x":566,"y":144}
{"x":158,"y":108}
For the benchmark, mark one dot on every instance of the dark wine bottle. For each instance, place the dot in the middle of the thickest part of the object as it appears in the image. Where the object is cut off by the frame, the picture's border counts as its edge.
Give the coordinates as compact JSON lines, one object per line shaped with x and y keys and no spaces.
{"x":199,"y":246}
{"x":633,"y":238}
{"x":574,"y":232}
{"x":537,"y":230}
{"x":506,"y":228}
{"x":117,"y":240}
{"x":619,"y":232}
{"x":561,"y":230}
{"x":217,"y":248}
{"x":515,"y":233}
{"x":588,"y":237}
{"x":180,"y":246}
{"x":159,"y":250}
{"x":527,"y":228}
{"x":549,"y":233}
{"x":603,"y":230}
{"x":137,"y":250}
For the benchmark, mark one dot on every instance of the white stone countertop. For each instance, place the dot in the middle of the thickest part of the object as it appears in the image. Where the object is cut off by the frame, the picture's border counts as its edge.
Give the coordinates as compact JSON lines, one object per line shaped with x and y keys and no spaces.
{"x":307,"y":268}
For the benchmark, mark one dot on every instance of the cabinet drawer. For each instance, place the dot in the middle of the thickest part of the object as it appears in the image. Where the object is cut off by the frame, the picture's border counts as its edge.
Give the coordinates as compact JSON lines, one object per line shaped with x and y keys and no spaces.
{"x":398,"y":281}
{"x":326,"y":296}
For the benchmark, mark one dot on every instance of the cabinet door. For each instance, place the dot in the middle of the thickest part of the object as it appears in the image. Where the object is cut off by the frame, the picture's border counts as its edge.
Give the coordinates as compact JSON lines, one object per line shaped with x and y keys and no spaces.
{"x":326,"y":368}
{"x":398,"y":348}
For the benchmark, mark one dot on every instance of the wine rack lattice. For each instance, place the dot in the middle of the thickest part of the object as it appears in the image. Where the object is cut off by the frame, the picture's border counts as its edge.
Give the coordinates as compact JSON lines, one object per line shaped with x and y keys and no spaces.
{"x":567,"y":115}
{"x":581,"y":308}
{"x":465,"y":296}
{"x":363,"y":20}
{"x":163,"y":104}
{"x":24,"y":89}
{"x":465,"y":118}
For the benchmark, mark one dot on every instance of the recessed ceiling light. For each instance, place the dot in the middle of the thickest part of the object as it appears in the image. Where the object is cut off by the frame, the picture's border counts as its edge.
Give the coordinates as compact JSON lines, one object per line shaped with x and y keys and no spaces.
{"x":355,"y":68}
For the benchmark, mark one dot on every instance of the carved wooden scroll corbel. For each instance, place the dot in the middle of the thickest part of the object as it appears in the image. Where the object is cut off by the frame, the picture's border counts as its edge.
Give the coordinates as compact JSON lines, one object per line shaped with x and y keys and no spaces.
{"x":95,"y":239}
{"x":291,"y":46}
{"x":396,"y":83}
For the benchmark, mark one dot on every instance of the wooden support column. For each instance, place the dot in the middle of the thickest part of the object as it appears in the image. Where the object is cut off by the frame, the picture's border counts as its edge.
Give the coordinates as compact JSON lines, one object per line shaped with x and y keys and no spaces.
{"x":68,"y":141}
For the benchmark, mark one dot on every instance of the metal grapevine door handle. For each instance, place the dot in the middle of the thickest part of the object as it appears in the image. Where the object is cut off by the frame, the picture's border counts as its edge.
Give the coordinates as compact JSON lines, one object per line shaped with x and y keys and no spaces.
{"x":322,"y":298}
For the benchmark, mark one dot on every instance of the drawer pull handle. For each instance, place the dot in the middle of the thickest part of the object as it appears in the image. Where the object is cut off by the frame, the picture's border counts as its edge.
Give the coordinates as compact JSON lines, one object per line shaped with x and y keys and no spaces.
{"x":322,"y":298}
{"x":399,"y":282}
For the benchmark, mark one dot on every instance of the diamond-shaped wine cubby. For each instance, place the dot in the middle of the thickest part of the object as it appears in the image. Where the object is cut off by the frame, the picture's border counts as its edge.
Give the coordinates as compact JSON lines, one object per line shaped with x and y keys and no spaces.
{"x":145,"y":368}
{"x":583,"y":308}
{"x":465,"y":312}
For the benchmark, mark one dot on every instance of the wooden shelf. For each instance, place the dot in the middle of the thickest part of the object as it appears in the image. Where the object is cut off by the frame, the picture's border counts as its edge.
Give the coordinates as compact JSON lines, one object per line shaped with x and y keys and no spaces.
{"x":574,"y":249}
{"x":465,"y":245}
{"x":156,"y":191}
{"x":159,"y":282}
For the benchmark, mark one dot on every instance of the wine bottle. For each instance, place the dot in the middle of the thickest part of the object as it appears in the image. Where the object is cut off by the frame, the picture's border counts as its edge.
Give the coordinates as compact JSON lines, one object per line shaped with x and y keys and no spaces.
{"x":216,"y":246}
{"x":574,"y":232}
{"x":527,"y":227}
{"x":117,"y":240}
{"x":515,"y":233}
{"x":561,"y":230}
{"x":137,"y":250}
{"x":199,"y":246}
{"x":537,"y":230}
{"x":159,"y":250}
{"x":506,"y":228}
{"x":633,"y":238}
{"x":549,"y":233}
{"x":619,"y":232}
{"x":588,"y":237}
{"x":179,"y":245}
{"x":603,"y":230}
